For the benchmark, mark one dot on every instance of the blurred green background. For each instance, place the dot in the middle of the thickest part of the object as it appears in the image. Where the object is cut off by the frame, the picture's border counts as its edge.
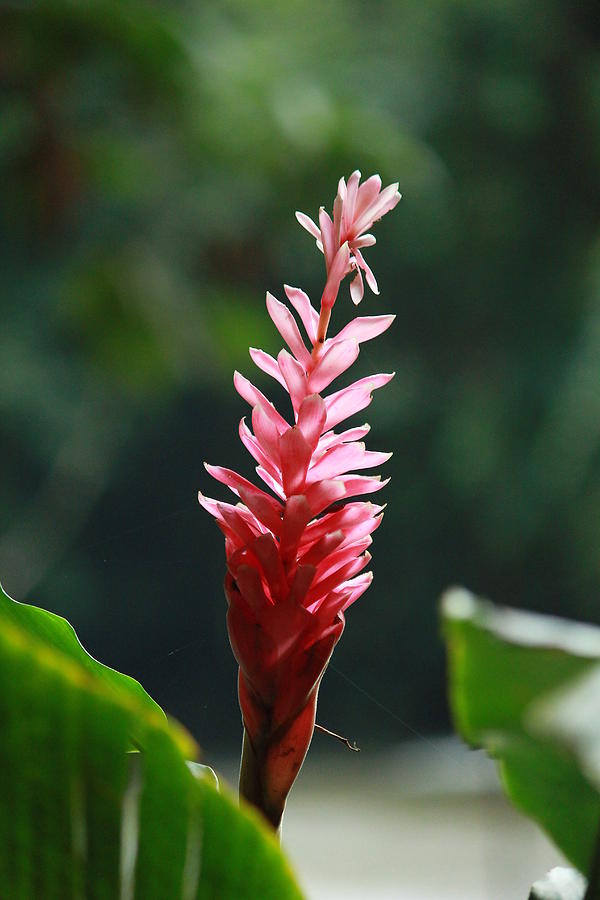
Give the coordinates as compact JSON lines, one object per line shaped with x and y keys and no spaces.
{"x":152,"y":157}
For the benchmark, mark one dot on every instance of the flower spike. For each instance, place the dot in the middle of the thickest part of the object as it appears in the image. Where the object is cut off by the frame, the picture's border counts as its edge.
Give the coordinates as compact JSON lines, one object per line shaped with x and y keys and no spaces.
{"x":296,"y":552}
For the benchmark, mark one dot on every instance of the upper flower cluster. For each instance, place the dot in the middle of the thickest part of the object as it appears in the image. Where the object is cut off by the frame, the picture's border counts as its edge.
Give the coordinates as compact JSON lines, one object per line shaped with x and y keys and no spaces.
{"x":355,"y":208}
{"x":296,"y":553}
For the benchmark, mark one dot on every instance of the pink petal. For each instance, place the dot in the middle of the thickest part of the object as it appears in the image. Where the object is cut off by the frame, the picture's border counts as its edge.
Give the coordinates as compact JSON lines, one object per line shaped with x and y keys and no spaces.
{"x":232,"y":516}
{"x":250,"y":586}
{"x":323,"y":547}
{"x":356,"y":485}
{"x":357,"y":288}
{"x":301,"y":583}
{"x":311,"y":418}
{"x":267,"y":434}
{"x":386,"y":201}
{"x":287,"y":328}
{"x":368,"y":273}
{"x":364,"y":328}
{"x":296,"y":516}
{"x":339,"y":558}
{"x":322,"y":494}
{"x":341,"y":598}
{"x":348,"y":517}
{"x":267,"y":553}
{"x":237,"y":483}
{"x":270,"y":481}
{"x":353,"y":398}
{"x":294,"y":376}
{"x":367,"y":193}
{"x":267,"y":364}
{"x":335,"y":360}
{"x":343,"y":458}
{"x":253,"y":446}
{"x":305,"y":309}
{"x":350,"y":201}
{"x":295,"y":453}
{"x":332,"y":439}
{"x":253,"y":396}
{"x":351,"y":568}
{"x":338,"y":269}
{"x":308,"y":223}
{"x":266,"y":509}
{"x":365,"y":240}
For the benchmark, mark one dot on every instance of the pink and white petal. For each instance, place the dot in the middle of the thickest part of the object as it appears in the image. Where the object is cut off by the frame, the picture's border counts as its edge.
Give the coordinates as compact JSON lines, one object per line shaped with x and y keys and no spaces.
{"x":368,"y":272}
{"x":367,"y":194}
{"x":253,"y":396}
{"x":335,"y":360}
{"x":350,"y":202}
{"x":295,"y":378}
{"x":365,"y":240}
{"x":322,"y":494}
{"x":339,"y":268}
{"x":364,"y":328}
{"x":327,"y":237}
{"x":357,"y":288}
{"x":386,"y":201}
{"x":295,"y":453}
{"x":287,"y":328}
{"x":266,"y":363}
{"x":308,"y":224}
{"x":308,"y":314}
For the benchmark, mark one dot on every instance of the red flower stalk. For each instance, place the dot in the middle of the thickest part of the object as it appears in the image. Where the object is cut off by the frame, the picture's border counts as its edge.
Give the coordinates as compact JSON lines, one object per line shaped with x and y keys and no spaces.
{"x":296,"y":554}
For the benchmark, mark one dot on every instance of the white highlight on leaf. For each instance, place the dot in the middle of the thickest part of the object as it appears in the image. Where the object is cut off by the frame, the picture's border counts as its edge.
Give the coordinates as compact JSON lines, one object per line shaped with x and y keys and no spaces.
{"x":130,"y":828}
{"x":525,"y":629}
{"x":560,"y":884}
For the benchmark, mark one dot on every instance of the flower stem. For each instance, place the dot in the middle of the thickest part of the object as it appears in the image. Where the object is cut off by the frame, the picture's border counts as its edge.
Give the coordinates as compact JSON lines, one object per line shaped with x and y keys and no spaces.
{"x":251,"y":786}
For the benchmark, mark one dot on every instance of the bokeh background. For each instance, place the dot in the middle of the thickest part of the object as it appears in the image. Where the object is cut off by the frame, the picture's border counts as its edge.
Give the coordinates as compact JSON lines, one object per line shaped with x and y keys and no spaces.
{"x":152,"y":157}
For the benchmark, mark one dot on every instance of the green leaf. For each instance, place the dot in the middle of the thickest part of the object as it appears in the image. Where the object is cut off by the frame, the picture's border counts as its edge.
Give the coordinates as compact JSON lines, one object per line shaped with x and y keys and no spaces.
{"x":82,"y":817}
{"x":56,"y":632}
{"x":520,"y":688}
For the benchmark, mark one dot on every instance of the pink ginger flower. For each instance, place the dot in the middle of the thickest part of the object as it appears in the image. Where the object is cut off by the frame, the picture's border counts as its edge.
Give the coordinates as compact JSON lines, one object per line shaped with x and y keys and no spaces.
{"x":296,"y":553}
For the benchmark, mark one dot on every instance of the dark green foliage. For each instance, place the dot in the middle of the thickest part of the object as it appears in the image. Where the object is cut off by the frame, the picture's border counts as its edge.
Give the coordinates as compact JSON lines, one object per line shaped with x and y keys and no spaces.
{"x":152,"y":157}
